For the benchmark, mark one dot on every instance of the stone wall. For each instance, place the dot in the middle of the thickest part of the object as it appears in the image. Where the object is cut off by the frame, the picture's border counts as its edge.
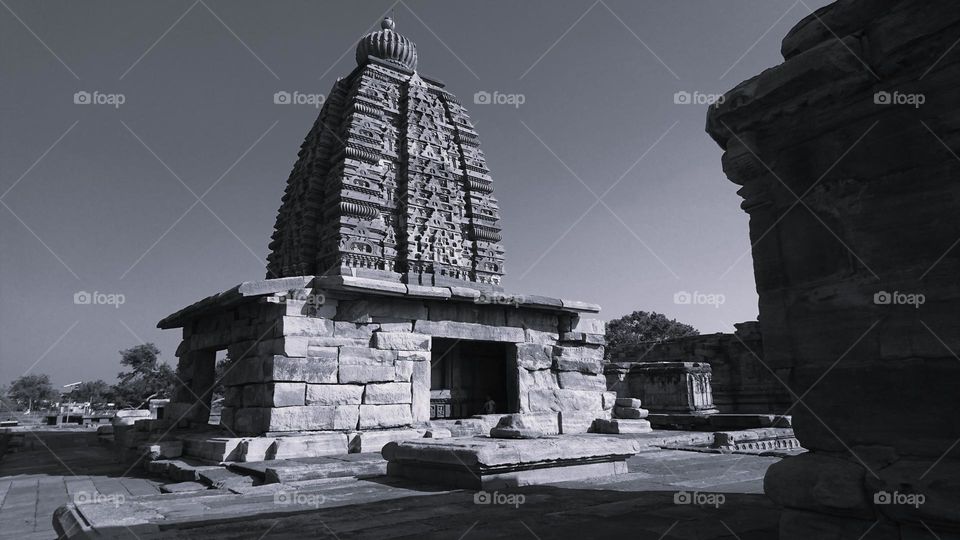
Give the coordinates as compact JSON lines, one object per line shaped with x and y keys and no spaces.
{"x":846,"y":155}
{"x":741,"y":381}
{"x":318,"y":360}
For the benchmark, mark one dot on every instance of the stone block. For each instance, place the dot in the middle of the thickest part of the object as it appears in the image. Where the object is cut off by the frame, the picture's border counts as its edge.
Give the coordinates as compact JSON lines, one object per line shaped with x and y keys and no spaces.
{"x":534,"y":356}
{"x":334,"y":394}
{"x":401,"y":341}
{"x":387,"y":393}
{"x":634,"y":413}
{"x":580,"y":421}
{"x":609,"y":399}
{"x":313,"y":445}
{"x":374,"y":441}
{"x":392,"y":308}
{"x":306,"y":326}
{"x":575,"y":380}
{"x":404,"y":370}
{"x":365,"y":356}
{"x":584,"y":359}
{"x":462,"y":330}
{"x":278,"y":394}
{"x":620,"y":426}
{"x":357,"y":374}
{"x":590,"y":326}
{"x":314,"y":370}
{"x":629,"y":402}
{"x":346,"y":329}
{"x":564,"y":400}
{"x":258,"y":420}
{"x":420,"y":395}
{"x":385,"y":416}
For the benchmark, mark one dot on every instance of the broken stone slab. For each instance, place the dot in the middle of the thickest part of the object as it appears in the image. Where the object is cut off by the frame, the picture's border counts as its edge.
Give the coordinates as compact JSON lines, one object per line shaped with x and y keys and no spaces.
{"x":617,"y":426}
{"x":516,"y":426}
{"x":163,"y":450}
{"x":484,"y":463}
{"x":182,"y":487}
{"x":334,"y":469}
{"x":375,"y":440}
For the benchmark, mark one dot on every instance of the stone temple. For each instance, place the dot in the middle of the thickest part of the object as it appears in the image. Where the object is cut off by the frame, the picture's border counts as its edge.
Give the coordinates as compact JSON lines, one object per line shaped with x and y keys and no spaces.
{"x":383,"y":307}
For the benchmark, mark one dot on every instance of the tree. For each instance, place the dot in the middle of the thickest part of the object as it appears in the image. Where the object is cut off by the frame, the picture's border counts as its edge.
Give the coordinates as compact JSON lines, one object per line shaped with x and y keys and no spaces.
{"x":148,"y":376}
{"x":224,"y":365}
{"x":32,"y":390}
{"x":633,"y":333}
{"x":96,"y":392}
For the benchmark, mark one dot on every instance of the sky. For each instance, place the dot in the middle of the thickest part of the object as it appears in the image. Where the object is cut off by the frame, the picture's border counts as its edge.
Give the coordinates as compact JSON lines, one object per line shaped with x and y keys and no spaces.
{"x":161,"y":186}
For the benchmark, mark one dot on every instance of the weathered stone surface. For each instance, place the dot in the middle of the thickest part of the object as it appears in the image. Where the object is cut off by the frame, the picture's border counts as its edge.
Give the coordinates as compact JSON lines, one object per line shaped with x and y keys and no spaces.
{"x":865,"y":152}
{"x":515,"y":426}
{"x":306,"y":326}
{"x":366,"y":310}
{"x":334,"y":394}
{"x":528,"y":381}
{"x":359,"y":374}
{"x":590,"y":326}
{"x":282,"y":369}
{"x":630,"y":412}
{"x":620,"y":426}
{"x":309,"y":417}
{"x":384,"y":416}
{"x":629,"y":402}
{"x":580,"y":421}
{"x":584,"y":359}
{"x":460,"y":330}
{"x":574,"y":380}
{"x":563,"y":399}
{"x":674,"y":387}
{"x":534,"y":356}
{"x":398,"y":341}
{"x":387,"y":393}
{"x":364,"y":356}
{"x":279,"y":394}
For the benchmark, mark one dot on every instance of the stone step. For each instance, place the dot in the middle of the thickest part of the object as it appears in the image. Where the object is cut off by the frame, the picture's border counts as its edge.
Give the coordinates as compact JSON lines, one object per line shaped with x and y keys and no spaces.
{"x":620,"y":425}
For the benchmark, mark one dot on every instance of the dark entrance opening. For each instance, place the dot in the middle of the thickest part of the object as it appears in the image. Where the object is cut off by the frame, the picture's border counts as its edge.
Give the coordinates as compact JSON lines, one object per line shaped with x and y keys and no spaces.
{"x":468,"y":378}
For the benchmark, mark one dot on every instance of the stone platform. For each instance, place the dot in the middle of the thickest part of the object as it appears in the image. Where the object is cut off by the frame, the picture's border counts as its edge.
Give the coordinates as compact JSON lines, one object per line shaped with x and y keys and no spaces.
{"x":486,"y":463}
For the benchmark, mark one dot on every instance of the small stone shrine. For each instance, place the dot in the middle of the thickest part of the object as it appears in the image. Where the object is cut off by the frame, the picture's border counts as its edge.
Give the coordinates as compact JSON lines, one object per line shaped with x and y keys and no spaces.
{"x":383,"y":307}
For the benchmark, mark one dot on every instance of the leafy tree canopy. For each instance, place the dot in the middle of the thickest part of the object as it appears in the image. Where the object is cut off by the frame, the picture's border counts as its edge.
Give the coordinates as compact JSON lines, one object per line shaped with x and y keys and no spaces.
{"x":632,"y":332}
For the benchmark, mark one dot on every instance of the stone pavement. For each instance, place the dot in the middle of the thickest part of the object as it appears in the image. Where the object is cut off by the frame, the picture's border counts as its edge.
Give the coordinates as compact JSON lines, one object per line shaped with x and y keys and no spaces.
{"x":35,"y":483}
{"x":655,"y":499}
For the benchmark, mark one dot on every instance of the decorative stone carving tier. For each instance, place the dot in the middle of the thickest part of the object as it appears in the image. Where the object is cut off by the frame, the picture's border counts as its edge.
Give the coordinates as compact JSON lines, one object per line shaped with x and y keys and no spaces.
{"x":390,"y":182}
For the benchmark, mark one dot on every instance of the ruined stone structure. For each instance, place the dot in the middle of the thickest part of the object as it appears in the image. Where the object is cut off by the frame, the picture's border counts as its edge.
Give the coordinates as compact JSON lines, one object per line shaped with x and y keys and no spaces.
{"x":846,"y":155}
{"x":740,"y":380}
{"x":383,"y":309}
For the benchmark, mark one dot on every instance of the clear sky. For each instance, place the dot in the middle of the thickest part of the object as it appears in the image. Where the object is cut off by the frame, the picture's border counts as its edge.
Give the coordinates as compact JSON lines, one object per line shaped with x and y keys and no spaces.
{"x":104,"y":196}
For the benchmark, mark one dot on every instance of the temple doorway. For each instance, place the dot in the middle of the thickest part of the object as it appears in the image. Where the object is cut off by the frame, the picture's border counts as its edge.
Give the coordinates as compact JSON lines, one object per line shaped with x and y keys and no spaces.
{"x":468,"y":378}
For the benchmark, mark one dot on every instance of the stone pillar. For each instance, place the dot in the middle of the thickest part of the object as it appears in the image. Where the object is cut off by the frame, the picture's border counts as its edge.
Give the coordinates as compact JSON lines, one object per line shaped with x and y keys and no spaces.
{"x":847,"y":158}
{"x":674,"y":387}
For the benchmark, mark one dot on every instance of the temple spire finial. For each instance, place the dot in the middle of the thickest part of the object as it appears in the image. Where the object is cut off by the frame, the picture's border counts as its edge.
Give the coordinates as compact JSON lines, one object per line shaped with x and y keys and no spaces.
{"x":388,"y":24}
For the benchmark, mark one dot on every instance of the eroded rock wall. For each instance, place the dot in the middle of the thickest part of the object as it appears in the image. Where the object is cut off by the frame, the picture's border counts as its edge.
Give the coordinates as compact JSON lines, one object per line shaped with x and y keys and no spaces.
{"x":847,"y":158}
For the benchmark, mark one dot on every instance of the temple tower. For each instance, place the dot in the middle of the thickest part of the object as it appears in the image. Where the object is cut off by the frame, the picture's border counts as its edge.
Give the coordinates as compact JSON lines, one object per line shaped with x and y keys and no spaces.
{"x":390,"y":182}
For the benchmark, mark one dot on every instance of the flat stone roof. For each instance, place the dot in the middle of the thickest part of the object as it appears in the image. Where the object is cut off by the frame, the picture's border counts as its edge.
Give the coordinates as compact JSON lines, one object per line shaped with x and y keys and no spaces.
{"x":250,"y":290}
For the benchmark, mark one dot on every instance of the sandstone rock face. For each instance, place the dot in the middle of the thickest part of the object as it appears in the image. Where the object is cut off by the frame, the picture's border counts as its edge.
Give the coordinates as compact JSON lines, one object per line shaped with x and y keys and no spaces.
{"x":846,"y":158}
